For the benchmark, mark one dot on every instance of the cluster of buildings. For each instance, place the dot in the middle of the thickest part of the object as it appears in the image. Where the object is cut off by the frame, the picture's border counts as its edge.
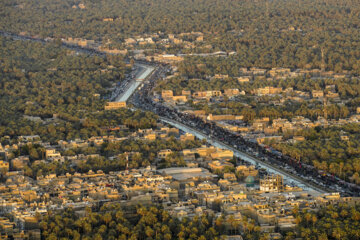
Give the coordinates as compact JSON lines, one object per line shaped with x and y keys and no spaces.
{"x":249,"y":74}
{"x":168,"y":95}
{"x":187,"y":40}
{"x":210,"y":182}
{"x":264,"y":129}
{"x":183,"y":191}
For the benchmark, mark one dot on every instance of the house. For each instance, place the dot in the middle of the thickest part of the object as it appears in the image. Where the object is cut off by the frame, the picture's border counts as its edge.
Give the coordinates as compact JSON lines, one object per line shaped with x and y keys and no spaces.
{"x":245,"y":171}
{"x":267,"y":91}
{"x":130,"y":41}
{"x":219,"y":165}
{"x":150,"y":136}
{"x":221,"y":76}
{"x":167,"y":58}
{"x":317,"y":93}
{"x":222,"y":154}
{"x":244,"y":79}
{"x":179,"y":98}
{"x":186,"y":93}
{"x":279,"y":71}
{"x":4,"y":166}
{"x":167,"y":94}
{"x":52,"y":153}
{"x":164,"y":153}
{"x":187,"y":137}
{"x":207,"y":94}
{"x":231,"y":92}
{"x":108,"y":19}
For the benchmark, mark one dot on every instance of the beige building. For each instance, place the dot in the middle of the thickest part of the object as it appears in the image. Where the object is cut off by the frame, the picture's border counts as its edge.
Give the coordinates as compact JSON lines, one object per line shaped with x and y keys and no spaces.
{"x":231,"y":92}
{"x":186,"y":92}
{"x":187,"y":137}
{"x":245,"y":171}
{"x":115,"y":105}
{"x":268,"y":91}
{"x":4,"y":166}
{"x":164,"y":153}
{"x":317,"y":93}
{"x":167,"y":94}
{"x":207,"y":94}
{"x":272,"y":183}
{"x":223,"y":117}
{"x":51,"y":153}
{"x":244,"y":79}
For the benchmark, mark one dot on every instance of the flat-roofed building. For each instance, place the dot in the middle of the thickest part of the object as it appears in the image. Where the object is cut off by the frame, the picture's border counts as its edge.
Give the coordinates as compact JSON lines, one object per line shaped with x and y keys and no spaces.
{"x":273,"y":183}
{"x":185,"y":173}
{"x":317,"y":93}
{"x":164,"y":153}
{"x":167,"y":94}
{"x":268,"y":91}
{"x":231,"y":92}
{"x":115,"y":105}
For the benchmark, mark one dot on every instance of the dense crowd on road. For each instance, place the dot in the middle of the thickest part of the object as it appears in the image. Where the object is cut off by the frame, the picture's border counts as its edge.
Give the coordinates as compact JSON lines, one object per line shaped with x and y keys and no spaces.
{"x":142,"y":99}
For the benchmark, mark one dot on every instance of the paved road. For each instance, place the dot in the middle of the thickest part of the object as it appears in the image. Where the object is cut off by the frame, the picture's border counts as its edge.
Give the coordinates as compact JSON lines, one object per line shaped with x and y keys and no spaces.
{"x":143,"y":72}
{"x":288,"y":178}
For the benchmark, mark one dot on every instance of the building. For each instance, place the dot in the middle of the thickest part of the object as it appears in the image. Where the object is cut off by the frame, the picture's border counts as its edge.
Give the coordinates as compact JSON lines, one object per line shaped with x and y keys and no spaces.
{"x":261,"y":140}
{"x":272,"y":183}
{"x":223,"y":117}
{"x":246,"y":171}
{"x":219,"y":165}
{"x":244,"y":79}
{"x":268,"y":91}
{"x":108,"y":20}
{"x":222,"y":154}
{"x":179,"y":98}
{"x":185,"y":173}
{"x":164,"y":153}
{"x":115,"y":105}
{"x":167,"y":58}
{"x":207,"y":94}
{"x":52,"y":153}
{"x":317,"y":93}
{"x":186,"y":92}
{"x":4,"y":166}
{"x":167,"y":94}
{"x":187,"y":137}
{"x":231,"y":92}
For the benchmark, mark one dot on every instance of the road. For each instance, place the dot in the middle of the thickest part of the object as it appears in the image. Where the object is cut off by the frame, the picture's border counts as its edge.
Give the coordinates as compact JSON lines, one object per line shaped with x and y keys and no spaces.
{"x":142,"y":73}
{"x":288,"y":178}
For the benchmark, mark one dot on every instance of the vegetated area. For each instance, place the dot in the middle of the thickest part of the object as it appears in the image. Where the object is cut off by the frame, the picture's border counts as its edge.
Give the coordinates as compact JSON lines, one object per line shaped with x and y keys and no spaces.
{"x":108,"y":157}
{"x":332,"y":222}
{"x":279,"y":33}
{"x":57,"y":94}
{"x":335,"y":150}
{"x":196,"y":75}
